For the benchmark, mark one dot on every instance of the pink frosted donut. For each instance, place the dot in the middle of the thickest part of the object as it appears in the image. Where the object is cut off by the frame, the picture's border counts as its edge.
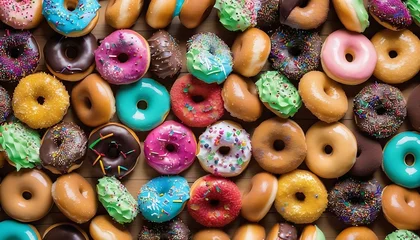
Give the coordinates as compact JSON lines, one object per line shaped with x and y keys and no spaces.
{"x":170,"y":148}
{"x":123,"y":57}
{"x":348,"y":57}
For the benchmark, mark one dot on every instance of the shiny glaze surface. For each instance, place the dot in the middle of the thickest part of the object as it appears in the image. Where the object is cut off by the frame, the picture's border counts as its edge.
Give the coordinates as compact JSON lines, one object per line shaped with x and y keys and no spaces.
{"x":211,"y":234}
{"x":15,"y":230}
{"x":102,"y":227}
{"x":250,"y":231}
{"x":357,"y":233}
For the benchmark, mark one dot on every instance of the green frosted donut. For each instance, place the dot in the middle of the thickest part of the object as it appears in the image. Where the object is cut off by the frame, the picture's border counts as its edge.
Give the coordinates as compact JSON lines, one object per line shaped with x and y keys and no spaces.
{"x":414,"y":8}
{"x":237,"y":14}
{"x":402,"y":235}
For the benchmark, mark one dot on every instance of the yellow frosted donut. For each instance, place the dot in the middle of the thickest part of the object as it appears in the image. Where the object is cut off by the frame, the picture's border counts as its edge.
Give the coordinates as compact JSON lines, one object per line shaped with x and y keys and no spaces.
{"x":301,"y":197}
{"x":40,"y":100}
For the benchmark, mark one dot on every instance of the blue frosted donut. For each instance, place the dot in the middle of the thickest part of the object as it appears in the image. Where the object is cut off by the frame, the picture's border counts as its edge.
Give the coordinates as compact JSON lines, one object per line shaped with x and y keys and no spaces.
{"x":163,"y":198}
{"x":394,"y":164}
{"x":146,"y":90}
{"x":11,"y":229}
{"x":178,"y":8}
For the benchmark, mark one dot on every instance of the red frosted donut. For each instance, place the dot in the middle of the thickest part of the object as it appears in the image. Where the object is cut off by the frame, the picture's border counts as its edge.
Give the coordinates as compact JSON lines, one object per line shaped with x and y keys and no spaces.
{"x":214,"y":201}
{"x":196,"y":103}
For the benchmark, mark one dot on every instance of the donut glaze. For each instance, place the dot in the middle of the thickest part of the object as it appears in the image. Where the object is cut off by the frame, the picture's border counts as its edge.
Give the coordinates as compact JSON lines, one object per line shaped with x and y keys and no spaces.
{"x":194,"y":12}
{"x":392,"y":14}
{"x":11,"y":229}
{"x":66,"y":231}
{"x":104,"y":228}
{"x":312,"y":232}
{"x":353,"y":14}
{"x":357,"y":233}
{"x":121,"y":14}
{"x":25,"y":14}
{"x":282,"y":231}
{"x":402,"y":234}
{"x":175,"y":229}
{"x":249,"y":231}
{"x":309,"y":17}
{"x":368,"y":158}
{"x":268,"y":15}
{"x":211,"y":234}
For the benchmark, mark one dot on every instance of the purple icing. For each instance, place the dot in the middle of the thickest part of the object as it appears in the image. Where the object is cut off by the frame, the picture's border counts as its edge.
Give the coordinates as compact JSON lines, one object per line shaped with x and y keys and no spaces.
{"x":392,"y":12}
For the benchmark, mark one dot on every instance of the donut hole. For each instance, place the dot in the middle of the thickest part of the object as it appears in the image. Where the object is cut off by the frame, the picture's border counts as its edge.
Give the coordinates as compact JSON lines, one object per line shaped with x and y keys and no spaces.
{"x":71,"y":5}
{"x":122,"y":57}
{"x":214,"y":202}
{"x":300,"y":196}
{"x":328,"y":149}
{"x":224,"y":150}
{"x":58,"y":141}
{"x":87,"y":103}
{"x":170,"y":147}
{"x":40,"y":100}
{"x":329,"y":91}
{"x":349,"y":57}
{"x":356,"y":199}
{"x":278,"y":145}
{"x":303,"y":3}
{"x":197,"y":99}
{"x":113,"y":151}
{"x":409,"y":159}
{"x":16,"y":52}
{"x":71,"y":52}
{"x":294,"y":51}
{"x":142,"y":105}
{"x":393,"y":54}
{"x":27,"y":195}
{"x":380,"y":109}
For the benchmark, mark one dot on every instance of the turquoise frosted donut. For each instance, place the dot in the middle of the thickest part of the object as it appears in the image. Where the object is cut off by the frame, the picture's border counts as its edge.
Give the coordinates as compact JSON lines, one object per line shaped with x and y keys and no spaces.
{"x":11,"y":229}
{"x":394,"y":164}
{"x":163,"y":198}
{"x":147,"y":91}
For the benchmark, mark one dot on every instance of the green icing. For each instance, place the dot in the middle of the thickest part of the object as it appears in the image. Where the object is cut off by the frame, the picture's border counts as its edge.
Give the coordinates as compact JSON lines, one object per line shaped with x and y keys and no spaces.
{"x":319,"y":234}
{"x":362,"y":13}
{"x":414,"y":8}
{"x":21,"y":144}
{"x":279,"y":93}
{"x":116,"y":199}
{"x":402,"y":234}
{"x":233,"y":14}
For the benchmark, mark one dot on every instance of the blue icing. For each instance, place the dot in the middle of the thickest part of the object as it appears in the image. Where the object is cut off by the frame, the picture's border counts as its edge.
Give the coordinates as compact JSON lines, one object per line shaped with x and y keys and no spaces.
{"x":11,"y":229}
{"x":163,"y":198}
{"x":178,"y":8}
{"x":153,"y":93}
{"x":66,"y":21}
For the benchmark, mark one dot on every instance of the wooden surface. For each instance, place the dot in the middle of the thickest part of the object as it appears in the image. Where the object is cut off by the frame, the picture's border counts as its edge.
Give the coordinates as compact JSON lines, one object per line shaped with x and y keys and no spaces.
{"x":327,"y":223}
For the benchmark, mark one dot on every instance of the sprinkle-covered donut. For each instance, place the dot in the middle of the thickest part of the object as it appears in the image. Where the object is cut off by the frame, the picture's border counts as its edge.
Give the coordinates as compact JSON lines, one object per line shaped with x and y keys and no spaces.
{"x":268,"y":15}
{"x":402,"y":234}
{"x":392,"y":14}
{"x":175,"y":229}
{"x":25,"y":14}
{"x":237,"y":15}
{"x":5,"y":104}
{"x":65,"y":231}
{"x":11,"y":229}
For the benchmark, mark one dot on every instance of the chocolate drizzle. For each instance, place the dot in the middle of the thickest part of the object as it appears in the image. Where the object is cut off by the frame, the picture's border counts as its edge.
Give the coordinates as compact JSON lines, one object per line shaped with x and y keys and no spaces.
{"x":64,"y":232}
{"x":286,"y":7}
{"x":287,"y":232}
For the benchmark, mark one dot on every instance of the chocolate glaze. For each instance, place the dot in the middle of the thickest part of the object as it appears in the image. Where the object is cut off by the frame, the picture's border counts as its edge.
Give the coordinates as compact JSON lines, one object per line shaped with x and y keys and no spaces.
{"x":121,"y":149}
{"x":413,"y":108}
{"x":166,"y":56}
{"x":370,"y":157}
{"x":64,"y":232}
{"x":287,"y":232}
{"x":172,"y":230}
{"x":55,"y":53}
{"x":286,"y":7}
{"x":268,"y":15}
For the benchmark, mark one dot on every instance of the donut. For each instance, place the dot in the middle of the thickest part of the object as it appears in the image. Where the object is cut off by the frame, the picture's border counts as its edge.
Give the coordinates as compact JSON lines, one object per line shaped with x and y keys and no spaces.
{"x":397,"y":61}
{"x":413,"y":7}
{"x":224,"y":149}
{"x":123,"y":57}
{"x":379,"y":110}
{"x":210,"y":234}
{"x":161,"y":12}
{"x":301,"y":197}
{"x":402,"y":234}
{"x":240,"y":98}
{"x":143,"y":118}
{"x":63,"y":148}
{"x":5,"y":105}
{"x":278,"y":94}
{"x":113,"y":150}
{"x":348,"y":57}
{"x":249,"y":231}
{"x":70,"y":59}
{"x":398,"y":205}
{"x":165,"y":54}
{"x":93,"y":101}
{"x":295,"y":52}
{"x":268,"y":15}
{"x":209,"y":58}
{"x":413,"y":108}
{"x":357,"y":233}
{"x":103,"y":227}
{"x":172,"y":230}
{"x":19,"y":54}
{"x":237,"y":15}
{"x":259,"y":196}
{"x":196,"y":103}
{"x":121,"y":14}
{"x":116,"y":199}
{"x":71,"y":18}
{"x":355,"y":202}
{"x":250,"y":52}
{"x":170,"y":148}
{"x":26,"y":195}
{"x":303,"y":15}
{"x":40,"y":100}
{"x":64,"y":231}
{"x":194,"y":12}
{"x":25,"y":14}
{"x":352,"y":14}
{"x":368,"y":157}
{"x":279,"y":145}
{"x":214,"y":201}
{"x":20,"y":145}
{"x":395,"y":162}
{"x":282,"y":231}
{"x":11,"y":229}
{"x":324,"y":97}
{"x":312,"y":232}
{"x":392,"y":14}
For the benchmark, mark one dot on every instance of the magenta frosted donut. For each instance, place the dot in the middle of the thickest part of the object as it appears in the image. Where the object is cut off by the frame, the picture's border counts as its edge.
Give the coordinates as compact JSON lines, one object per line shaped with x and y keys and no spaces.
{"x":170,"y":148}
{"x":123,"y":57}
{"x":392,"y":14}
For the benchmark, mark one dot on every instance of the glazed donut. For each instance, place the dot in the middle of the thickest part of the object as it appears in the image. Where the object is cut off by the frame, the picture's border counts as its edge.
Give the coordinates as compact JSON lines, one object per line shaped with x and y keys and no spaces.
{"x":343,"y":44}
{"x":153,"y":94}
{"x":103,"y":227}
{"x":398,"y":205}
{"x":301,"y":197}
{"x":413,"y":108}
{"x":402,"y":234}
{"x":93,"y":101}
{"x":40,"y":100}
{"x":161,"y":12}
{"x":324,"y":97}
{"x":211,"y":234}
{"x":172,"y":230}
{"x":209,"y":58}
{"x":163,"y":198}
{"x":312,"y":232}
{"x":278,"y":94}
{"x":26,"y":195}
{"x":240,"y":98}
{"x":250,"y":52}
{"x":25,"y":14}
{"x":76,"y":23}
{"x":70,"y":59}
{"x":259,"y":196}
{"x":379,"y":110}
{"x":11,"y":229}
{"x":123,"y":57}
{"x":237,"y":15}
{"x":249,"y":231}
{"x":279,"y":145}
{"x":352,"y":14}
{"x":75,"y":197}
{"x":5,"y":105}
{"x":64,"y":231}
{"x":114,"y":149}
{"x":332,"y":149}
{"x":268,"y":15}
{"x":224,"y":149}
{"x":282,"y":231}
{"x":220,"y":205}
{"x":196,"y":103}
{"x":19,"y":54}
{"x":295,"y":52}
{"x":63,"y":148}
{"x":402,"y":66}
{"x":121,"y":14}
{"x":368,"y":157}
{"x":392,"y":14}
{"x":355,"y":202}
{"x":194,"y":12}
{"x":310,"y":16}
{"x":357,"y":233}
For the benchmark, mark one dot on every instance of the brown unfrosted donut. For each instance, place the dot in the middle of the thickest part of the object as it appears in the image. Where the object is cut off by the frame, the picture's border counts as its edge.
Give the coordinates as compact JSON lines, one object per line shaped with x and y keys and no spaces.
{"x":194,"y":12}
{"x":103,"y":227}
{"x":250,"y":231}
{"x":121,"y":14}
{"x":357,"y":233}
{"x":211,"y":234}
{"x":160,"y":13}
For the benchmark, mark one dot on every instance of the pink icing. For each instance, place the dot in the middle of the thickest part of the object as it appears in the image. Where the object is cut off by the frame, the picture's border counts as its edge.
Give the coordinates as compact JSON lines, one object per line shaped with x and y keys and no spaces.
{"x":19,"y":14}
{"x":335,"y":64}
{"x":170,"y":148}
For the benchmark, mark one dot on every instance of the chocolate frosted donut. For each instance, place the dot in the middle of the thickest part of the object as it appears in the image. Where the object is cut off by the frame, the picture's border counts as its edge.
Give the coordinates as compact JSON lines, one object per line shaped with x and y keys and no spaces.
{"x":282,"y":231}
{"x":413,"y":108}
{"x":368,"y":158}
{"x":166,"y":56}
{"x":175,"y":229}
{"x":286,"y":7}
{"x":268,"y":15}
{"x":113,"y":150}
{"x":65,"y":231}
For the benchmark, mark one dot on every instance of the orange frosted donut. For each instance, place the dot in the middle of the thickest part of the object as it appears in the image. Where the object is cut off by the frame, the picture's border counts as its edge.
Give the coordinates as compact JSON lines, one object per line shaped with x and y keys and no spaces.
{"x":309,"y":16}
{"x":194,"y":12}
{"x":357,"y":233}
{"x":121,"y":14}
{"x":249,"y":231}
{"x":103,"y":227}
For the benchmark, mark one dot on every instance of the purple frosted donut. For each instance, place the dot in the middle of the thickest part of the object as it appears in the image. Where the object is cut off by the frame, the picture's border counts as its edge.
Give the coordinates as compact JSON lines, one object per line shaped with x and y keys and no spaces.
{"x":123,"y":57}
{"x":19,"y":55}
{"x":170,"y":148}
{"x":5,"y":105}
{"x":392,"y":14}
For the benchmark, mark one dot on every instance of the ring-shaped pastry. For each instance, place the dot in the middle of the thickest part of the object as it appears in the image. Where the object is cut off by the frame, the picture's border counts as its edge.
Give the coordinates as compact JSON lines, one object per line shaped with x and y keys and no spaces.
{"x":11,"y":229}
